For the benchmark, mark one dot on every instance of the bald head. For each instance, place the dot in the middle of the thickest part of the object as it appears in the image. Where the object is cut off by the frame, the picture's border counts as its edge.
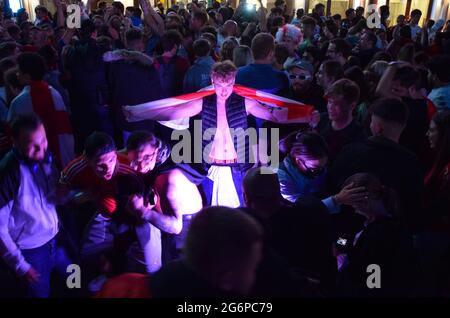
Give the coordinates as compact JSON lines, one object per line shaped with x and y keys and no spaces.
{"x":261,"y":189}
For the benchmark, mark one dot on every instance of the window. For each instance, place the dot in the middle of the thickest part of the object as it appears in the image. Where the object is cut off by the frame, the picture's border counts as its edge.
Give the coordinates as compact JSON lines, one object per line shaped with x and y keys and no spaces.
{"x":15,"y":5}
{"x":312,"y":4}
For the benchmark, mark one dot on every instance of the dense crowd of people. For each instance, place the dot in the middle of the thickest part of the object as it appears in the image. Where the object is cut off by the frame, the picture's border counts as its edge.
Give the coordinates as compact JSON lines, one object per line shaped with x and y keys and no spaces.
{"x":87,"y":175}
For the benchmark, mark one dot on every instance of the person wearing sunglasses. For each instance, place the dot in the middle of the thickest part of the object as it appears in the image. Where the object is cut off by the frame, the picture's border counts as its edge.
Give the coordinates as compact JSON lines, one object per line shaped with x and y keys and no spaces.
{"x":304,"y":173}
{"x":301,"y":74}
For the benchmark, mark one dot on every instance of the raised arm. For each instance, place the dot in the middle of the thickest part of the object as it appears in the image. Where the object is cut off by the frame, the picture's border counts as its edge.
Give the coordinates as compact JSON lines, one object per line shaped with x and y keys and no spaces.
{"x":385,"y":83}
{"x":184,"y":110}
{"x":171,"y":193}
{"x":262,"y":17}
{"x":152,"y":18}
{"x":60,"y":19}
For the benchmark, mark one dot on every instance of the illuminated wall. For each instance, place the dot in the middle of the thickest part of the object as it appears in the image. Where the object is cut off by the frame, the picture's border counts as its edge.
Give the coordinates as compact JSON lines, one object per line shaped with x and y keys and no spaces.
{"x":396,"y":8}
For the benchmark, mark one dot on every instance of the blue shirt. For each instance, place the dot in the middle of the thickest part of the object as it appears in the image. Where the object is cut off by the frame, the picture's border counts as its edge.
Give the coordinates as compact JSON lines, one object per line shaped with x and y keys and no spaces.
{"x":441,"y":97}
{"x":263,"y":77}
{"x":199,"y":75}
{"x":136,"y":21}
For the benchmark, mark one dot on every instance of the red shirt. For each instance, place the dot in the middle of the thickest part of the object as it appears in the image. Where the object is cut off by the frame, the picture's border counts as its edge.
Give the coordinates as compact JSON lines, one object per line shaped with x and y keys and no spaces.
{"x":79,"y":175}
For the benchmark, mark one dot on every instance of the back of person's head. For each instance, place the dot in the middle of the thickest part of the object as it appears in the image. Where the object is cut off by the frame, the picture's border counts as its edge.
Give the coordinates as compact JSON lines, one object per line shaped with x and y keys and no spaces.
{"x":279,"y":3}
{"x":306,"y":144}
{"x":208,"y":29}
{"x":7,"y":49}
{"x":442,"y":121}
{"x":349,"y":12}
{"x":346,"y":90}
{"x":313,"y":53}
{"x":424,"y":83}
{"x":435,"y":65}
{"x":336,"y":17}
{"x":32,"y":64}
{"x":307,"y":20}
{"x":87,"y":29}
{"x":104,"y":42}
{"x":223,"y":247}
{"x":140,"y":138}
{"x":5,"y":65}
{"x":261,"y":189}
{"x":201,"y":47}
{"x":118,"y":6}
{"x":276,"y":11}
{"x":211,"y":38}
{"x":98,"y":144}
{"x":332,"y":27}
{"x":242,"y":56}
{"x":50,"y":55}
{"x":379,"y":67}
{"x":25,"y":123}
{"x":405,"y":31}
{"x":224,"y":71}
{"x":201,"y":16}
{"x":333,"y":69}
{"x":415,"y":12}
{"x":133,"y":34}
{"x":281,"y":53}
{"x":376,"y":191}
{"x":392,"y":111}
{"x":170,"y":39}
{"x":13,"y":31}
{"x":12,"y":84}
{"x":227,"y":49}
{"x":380,"y":56}
{"x":319,"y":6}
{"x":137,"y":12}
{"x":342,"y":47}
{"x":406,"y":53}
{"x":225,"y":12}
{"x":262,"y":45}
{"x":407,"y":76}
{"x":40,"y":8}
{"x":356,"y":75}
{"x":278,"y":22}
{"x":421,"y":58}
{"x":371,"y":37}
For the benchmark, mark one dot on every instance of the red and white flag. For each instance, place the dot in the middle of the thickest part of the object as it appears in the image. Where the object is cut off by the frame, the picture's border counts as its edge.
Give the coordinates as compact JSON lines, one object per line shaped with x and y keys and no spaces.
{"x":296,"y":110}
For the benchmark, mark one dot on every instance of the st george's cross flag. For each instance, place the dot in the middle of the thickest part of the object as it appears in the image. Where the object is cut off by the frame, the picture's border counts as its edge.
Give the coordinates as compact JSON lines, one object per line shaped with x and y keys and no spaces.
{"x":296,"y":110}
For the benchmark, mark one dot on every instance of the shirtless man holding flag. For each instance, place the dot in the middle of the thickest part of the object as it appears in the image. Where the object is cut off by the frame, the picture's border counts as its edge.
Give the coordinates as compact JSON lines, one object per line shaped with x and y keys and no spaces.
{"x":225,"y":109}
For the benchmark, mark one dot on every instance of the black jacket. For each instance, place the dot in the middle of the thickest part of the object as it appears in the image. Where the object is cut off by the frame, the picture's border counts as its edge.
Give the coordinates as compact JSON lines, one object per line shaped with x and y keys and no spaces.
{"x":394,"y":165}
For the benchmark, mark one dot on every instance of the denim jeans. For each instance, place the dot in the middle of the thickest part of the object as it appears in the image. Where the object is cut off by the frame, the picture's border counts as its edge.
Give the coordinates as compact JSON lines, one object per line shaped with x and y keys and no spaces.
{"x":51,"y":257}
